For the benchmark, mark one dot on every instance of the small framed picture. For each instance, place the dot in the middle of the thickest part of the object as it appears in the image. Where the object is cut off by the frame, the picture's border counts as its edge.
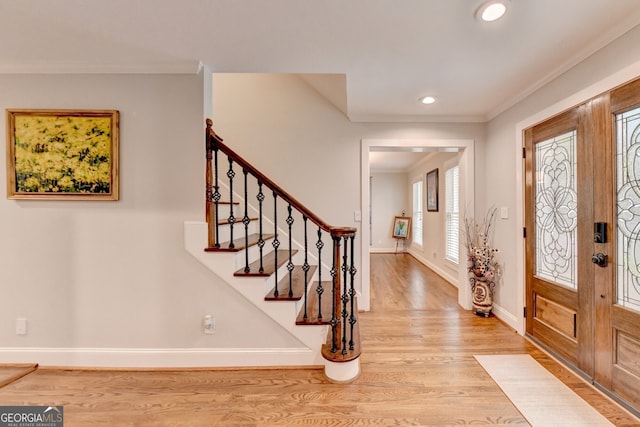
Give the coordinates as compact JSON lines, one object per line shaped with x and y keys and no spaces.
{"x":432,"y":191}
{"x":401,"y":226}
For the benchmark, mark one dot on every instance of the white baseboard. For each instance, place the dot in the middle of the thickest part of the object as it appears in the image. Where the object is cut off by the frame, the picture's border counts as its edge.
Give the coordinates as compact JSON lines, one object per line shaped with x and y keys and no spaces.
{"x":505,"y":316}
{"x":381,"y":250}
{"x":498,"y":311}
{"x":161,"y":358}
{"x":441,"y":272}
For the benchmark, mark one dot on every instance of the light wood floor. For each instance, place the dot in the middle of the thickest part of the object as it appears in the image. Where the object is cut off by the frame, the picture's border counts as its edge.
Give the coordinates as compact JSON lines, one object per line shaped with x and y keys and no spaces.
{"x":417,"y":369}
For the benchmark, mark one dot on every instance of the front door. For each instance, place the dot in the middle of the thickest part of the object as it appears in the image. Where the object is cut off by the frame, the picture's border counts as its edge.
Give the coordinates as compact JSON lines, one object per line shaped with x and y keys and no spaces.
{"x":583,"y":238}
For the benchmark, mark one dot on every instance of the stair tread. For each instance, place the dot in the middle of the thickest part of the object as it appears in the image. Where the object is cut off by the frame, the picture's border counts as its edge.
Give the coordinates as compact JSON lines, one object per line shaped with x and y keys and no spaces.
{"x":312,"y":306}
{"x":297,"y":285}
{"x":238,"y":221}
{"x":239,"y":243}
{"x":268,"y":264}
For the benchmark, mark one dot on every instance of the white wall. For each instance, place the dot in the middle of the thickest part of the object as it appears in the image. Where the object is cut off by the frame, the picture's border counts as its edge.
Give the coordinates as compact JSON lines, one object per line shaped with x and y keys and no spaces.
{"x":290,"y":117}
{"x":291,"y":133}
{"x":115,"y":274}
{"x":432,"y":251}
{"x":389,"y":197}
{"x":324,"y":131}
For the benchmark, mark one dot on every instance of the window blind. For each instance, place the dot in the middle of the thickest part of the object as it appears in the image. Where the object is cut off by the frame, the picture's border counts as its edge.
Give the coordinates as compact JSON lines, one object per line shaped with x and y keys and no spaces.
{"x":452,"y":214}
{"x":416,"y":232}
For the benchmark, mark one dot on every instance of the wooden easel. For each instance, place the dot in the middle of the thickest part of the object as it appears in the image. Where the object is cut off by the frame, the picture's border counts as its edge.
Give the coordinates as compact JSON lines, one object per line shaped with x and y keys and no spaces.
{"x":402,"y":242}
{"x":401,"y":227}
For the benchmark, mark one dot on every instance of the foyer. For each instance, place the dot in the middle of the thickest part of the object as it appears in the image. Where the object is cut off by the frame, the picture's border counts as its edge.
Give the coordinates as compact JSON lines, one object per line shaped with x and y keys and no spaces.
{"x":418,"y":368}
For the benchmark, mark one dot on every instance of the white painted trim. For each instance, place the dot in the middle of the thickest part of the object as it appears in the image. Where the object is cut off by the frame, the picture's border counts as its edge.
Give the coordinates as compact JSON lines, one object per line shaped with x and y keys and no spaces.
{"x":446,"y":275}
{"x":508,"y":318}
{"x":160,"y":357}
{"x":626,"y":74}
{"x":604,"y":39}
{"x":467,"y":192}
{"x":413,"y":118}
{"x":342,"y":372}
{"x":497,"y":310}
{"x":382,"y":250}
{"x":71,"y":67}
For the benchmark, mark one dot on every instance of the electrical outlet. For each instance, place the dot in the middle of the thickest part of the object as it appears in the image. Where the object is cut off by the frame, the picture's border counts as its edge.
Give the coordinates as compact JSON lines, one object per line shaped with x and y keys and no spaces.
{"x":21,"y":326}
{"x":209,"y":324}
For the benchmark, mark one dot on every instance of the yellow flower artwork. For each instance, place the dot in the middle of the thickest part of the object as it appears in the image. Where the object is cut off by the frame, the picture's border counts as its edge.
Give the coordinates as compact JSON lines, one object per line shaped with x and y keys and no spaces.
{"x":63,"y":154}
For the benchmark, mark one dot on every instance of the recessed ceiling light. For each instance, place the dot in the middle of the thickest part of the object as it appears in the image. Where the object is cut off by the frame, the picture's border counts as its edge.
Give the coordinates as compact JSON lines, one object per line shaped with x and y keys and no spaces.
{"x":427,"y":100}
{"x":492,"y":10}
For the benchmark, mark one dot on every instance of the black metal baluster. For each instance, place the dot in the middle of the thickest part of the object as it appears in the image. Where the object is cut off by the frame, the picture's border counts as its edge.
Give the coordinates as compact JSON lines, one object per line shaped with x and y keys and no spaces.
{"x":276,"y":242}
{"x":260,"y":198}
{"x":345,"y":296}
{"x":290,"y":265}
{"x":305,"y":266}
{"x":216,"y":196}
{"x":246,"y":221}
{"x":320,"y":288}
{"x":231,"y":219}
{"x":352,"y":294}
{"x":334,"y":274}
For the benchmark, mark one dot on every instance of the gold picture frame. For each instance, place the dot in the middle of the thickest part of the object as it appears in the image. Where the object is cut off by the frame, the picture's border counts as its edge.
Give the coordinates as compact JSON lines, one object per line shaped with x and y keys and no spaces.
{"x":63,"y":154}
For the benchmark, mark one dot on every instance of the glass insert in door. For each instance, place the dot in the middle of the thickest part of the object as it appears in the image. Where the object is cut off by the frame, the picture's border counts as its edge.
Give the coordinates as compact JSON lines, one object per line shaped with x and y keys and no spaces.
{"x":556,"y":210}
{"x":628,"y":207}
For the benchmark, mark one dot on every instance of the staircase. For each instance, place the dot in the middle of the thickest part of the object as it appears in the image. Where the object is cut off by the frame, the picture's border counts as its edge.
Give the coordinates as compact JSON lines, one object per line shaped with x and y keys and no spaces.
{"x":279,"y":255}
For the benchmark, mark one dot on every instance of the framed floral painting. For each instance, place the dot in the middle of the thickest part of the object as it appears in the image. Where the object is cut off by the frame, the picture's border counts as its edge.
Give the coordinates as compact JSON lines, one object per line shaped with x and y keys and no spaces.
{"x":62,"y":154}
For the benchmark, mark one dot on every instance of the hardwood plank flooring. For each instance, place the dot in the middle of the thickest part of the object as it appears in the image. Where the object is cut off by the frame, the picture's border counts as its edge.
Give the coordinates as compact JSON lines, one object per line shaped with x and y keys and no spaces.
{"x":11,"y":373}
{"x":417,"y":369}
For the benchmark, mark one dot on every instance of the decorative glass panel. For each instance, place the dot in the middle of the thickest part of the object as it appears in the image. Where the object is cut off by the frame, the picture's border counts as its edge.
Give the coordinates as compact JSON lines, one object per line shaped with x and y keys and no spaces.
{"x":628,"y":202}
{"x":556,"y":210}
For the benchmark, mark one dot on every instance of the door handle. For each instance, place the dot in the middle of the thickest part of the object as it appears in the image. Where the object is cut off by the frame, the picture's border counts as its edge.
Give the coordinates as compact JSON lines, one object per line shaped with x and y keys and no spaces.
{"x":600,"y":259}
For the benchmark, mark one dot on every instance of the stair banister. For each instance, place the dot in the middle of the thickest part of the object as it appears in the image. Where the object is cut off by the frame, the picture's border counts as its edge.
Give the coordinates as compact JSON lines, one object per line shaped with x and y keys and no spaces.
{"x":219,"y":144}
{"x":343,"y":300}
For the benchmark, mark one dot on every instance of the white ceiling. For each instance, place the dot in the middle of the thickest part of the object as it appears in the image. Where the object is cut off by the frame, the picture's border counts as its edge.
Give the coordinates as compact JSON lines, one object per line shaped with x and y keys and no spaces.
{"x":391,"y":51}
{"x":372,"y":58}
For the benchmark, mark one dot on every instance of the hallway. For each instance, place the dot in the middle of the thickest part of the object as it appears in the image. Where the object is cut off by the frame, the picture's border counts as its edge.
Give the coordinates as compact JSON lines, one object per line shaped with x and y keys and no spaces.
{"x":417,"y":330}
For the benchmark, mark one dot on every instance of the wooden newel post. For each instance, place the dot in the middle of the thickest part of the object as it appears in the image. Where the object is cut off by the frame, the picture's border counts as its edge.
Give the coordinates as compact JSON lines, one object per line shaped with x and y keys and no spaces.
{"x":340,"y":298}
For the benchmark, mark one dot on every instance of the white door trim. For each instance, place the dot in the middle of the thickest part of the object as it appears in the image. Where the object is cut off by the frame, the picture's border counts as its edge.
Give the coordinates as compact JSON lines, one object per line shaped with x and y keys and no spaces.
{"x":467,"y":194}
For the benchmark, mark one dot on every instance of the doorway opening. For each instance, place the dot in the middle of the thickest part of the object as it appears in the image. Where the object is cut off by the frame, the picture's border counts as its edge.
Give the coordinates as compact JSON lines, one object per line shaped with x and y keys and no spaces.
{"x":467,"y":200}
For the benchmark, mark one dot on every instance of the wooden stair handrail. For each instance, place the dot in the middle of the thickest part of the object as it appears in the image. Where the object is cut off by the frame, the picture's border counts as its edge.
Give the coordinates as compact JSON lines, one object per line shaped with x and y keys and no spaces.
{"x":216,"y":140}
{"x":343,"y":317}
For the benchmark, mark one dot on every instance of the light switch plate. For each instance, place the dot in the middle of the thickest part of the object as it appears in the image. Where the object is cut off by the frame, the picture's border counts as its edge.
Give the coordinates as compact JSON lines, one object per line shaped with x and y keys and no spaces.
{"x":504,"y":212}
